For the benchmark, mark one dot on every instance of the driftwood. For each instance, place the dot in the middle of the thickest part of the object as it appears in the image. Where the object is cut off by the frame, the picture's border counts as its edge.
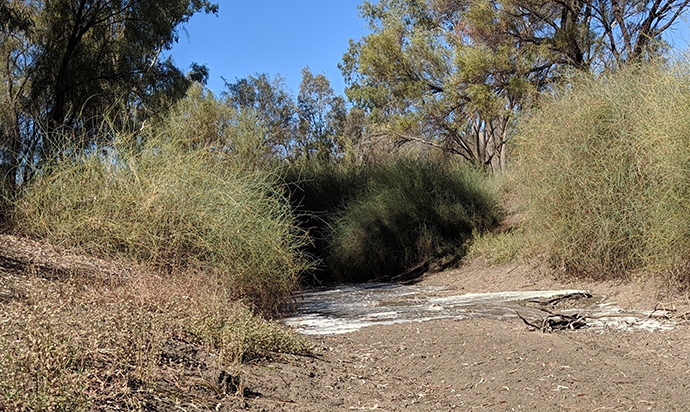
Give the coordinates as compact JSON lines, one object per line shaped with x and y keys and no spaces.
{"x":552,"y":302}
{"x":556,"y":321}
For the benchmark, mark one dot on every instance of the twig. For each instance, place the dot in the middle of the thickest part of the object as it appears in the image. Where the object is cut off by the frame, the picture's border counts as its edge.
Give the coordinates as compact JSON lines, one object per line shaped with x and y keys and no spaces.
{"x":528,"y":323}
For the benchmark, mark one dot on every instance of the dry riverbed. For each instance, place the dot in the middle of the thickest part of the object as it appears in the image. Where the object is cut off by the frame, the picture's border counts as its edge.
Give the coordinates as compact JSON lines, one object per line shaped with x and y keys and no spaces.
{"x":485,"y":364}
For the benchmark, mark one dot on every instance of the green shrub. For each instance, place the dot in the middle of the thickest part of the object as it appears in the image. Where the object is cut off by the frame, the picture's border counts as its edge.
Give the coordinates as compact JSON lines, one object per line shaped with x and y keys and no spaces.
{"x":603,"y":169}
{"x":377,"y":221}
{"x":174,"y":206}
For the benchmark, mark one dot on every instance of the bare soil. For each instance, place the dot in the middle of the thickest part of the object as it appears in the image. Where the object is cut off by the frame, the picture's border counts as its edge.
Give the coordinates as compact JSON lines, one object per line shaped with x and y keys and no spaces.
{"x":483,"y":364}
{"x":476,"y":364}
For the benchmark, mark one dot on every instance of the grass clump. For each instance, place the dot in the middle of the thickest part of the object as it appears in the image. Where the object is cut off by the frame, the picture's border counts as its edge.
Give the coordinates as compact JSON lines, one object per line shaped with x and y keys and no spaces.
{"x":603,"y":172}
{"x":500,"y":247}
{"x":215,"y":247}
{"x":377,"y":221}
{"x":173,"y":208}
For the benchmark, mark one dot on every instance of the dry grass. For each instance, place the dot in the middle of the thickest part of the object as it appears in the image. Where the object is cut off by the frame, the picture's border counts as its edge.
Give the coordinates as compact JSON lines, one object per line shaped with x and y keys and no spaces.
{"x":603,"y":173}
{"x":75,"y":339}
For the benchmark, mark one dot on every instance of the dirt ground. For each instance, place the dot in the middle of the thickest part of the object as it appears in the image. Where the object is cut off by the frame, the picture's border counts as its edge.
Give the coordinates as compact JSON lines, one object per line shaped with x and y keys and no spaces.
{"x":476,"y":364}
{"x":483,"y":364}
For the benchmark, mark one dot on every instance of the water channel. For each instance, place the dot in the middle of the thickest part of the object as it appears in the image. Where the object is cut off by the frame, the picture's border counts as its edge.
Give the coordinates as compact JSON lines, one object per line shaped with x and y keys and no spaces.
{"x":348,"y":308}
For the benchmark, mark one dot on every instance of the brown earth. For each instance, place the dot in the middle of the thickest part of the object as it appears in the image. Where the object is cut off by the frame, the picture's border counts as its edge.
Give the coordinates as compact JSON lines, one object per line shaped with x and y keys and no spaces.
{"x":483,"y":364}
{"x":476,"y":364}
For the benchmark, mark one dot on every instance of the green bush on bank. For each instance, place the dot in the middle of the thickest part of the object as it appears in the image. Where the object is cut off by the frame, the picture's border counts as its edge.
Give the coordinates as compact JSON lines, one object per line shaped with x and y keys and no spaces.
{"x":377,"y":221}
{"x":603,"y":172}
{"x":175,"y":207}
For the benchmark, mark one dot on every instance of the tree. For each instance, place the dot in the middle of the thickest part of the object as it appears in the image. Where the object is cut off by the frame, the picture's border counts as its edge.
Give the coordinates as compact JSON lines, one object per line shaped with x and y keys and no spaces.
{"x":587,"y":33}
{"x":452,"y":73}
{"x":316,"y":126}
{"x":15,"y":58}
{"x":420,"y":83}
{"x":321,"y":117}
{"x":69,"y":61}
{"x":268,"y":101}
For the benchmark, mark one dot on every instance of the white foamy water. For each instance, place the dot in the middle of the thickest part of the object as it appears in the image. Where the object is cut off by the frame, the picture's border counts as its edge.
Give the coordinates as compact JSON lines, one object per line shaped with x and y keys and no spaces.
{"x":348,"y":308}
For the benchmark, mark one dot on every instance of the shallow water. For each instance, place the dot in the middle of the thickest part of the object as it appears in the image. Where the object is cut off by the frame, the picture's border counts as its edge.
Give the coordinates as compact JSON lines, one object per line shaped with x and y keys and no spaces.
{"x":348,"y":308}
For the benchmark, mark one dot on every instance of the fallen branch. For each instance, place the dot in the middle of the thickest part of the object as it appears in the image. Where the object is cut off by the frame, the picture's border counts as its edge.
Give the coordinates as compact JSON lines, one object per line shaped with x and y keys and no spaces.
{"x":556,"y":321}
{"x":558,"y":299}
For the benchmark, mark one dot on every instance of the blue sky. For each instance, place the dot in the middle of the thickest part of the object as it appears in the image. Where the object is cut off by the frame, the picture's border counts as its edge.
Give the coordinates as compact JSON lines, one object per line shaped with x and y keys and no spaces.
{"x":273,"y":37}
{"x":283,"y":36}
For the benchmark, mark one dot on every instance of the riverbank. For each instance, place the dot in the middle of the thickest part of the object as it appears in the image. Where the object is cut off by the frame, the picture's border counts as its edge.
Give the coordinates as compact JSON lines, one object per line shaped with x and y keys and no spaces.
{"x":79,"y":333}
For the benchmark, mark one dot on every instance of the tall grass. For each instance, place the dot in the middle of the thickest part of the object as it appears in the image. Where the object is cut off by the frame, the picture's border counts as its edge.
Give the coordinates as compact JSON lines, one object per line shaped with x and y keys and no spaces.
{"x":603,"y":172}
{"x":377,"y":221}
{"x":175,"y":207}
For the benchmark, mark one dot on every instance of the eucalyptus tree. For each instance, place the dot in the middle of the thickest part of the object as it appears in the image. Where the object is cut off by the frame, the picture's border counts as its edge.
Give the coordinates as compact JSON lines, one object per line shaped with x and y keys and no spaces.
{"x":66,"y":62}
{"x":322,"y":115}
{"x":317,"y":125}
{"x":271,"y":104}
{"x":453,"y":73}
{"x":15,"y":57}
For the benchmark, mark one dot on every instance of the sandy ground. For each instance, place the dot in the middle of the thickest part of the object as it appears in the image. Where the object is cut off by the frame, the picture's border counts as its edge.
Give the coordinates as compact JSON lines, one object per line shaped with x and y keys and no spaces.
{"x":483,"y":364}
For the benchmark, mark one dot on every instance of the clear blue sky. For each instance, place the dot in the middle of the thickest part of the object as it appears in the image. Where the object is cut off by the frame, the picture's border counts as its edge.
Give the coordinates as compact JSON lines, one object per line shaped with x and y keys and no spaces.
{"x":273,"y":37}
{"x":283,"y":36}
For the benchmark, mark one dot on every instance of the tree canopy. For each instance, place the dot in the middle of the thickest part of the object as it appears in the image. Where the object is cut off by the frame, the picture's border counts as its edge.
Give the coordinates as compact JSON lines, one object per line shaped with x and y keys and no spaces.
{"x":321,"y":116}
{"x":66,"y":62}
{"x":453,"y":73}
{"x":315,"y":126}
{"x":269,"y":102}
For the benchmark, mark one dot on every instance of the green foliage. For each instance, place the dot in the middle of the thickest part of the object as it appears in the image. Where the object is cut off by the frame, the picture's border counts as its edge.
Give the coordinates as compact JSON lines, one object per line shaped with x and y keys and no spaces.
{"x":425,"y":80}
{"x":453,"y":74}
{"x":201,"y":120}
{"x":65,"y":63}
{"x":501,"y":247}
{"x":172,"y":204}
{"x":603,"y":172}
{"x":315,"y":126}
{"x":321,"y":116}
{"x":377,"y":221}
{"x":90,"y":53}
{"x":268,"y":101}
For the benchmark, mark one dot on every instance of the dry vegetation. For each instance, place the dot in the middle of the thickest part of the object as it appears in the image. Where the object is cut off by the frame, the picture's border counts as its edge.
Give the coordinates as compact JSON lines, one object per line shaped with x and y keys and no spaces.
{"x":210,"y":252}
{"x":80,"y":333}
{"x":601,"y":179}
{"x":209,"y":247}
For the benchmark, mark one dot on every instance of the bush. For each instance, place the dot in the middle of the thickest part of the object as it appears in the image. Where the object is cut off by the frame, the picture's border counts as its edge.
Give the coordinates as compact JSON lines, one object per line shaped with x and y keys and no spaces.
{"x":603,"y":170}
{"x":502,"y":247}
{"x":377,"y":221}
{"x":173,"y":206}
